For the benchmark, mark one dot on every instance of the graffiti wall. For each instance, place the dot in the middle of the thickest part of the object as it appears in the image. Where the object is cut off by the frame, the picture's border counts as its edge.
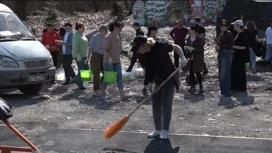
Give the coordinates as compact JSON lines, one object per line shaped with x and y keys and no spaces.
{"x":166,"y":12}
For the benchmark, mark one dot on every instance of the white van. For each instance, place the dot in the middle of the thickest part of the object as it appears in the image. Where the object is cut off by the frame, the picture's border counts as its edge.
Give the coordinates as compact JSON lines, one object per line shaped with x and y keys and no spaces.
{"x":25,"y":63}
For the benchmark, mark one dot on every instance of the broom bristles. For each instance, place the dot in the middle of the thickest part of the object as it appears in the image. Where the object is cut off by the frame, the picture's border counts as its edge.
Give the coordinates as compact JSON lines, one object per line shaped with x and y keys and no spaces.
{"x":115,"y":127}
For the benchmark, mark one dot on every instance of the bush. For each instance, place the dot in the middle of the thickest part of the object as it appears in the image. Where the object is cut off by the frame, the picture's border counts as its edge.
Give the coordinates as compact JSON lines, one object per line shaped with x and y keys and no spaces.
{"x":51,"y":13}
{"x":119,"y":10}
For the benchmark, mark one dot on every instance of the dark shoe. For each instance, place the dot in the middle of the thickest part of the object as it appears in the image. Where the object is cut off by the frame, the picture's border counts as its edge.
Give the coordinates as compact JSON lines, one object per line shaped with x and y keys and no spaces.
{"x":205,"y":72}
{"x":66,"y":82}
{"x":82,"y":88}
{"x":53,"y":82}
{"x":128,"y":70}
{"x":201,"y":89}
{"x":144,"y":92}
{"x":192,"y":89}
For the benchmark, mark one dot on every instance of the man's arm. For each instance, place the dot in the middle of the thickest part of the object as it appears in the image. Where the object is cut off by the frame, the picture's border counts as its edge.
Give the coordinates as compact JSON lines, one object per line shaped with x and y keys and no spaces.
{"x":179,"y":51}
{"x":172,"y":34}
{"x":107,"y":47}
{"x":91,"y":46}
{"x":69,"y":40}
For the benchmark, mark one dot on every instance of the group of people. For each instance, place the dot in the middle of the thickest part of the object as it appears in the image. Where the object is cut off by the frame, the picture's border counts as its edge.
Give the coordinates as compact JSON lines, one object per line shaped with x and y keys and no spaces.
{"x":101,"y":53}
{"x":234,"y":45}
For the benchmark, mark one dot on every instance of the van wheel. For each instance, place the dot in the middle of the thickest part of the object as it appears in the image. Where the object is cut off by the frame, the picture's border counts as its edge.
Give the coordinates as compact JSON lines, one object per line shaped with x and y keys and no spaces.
{"x":31,"y":89}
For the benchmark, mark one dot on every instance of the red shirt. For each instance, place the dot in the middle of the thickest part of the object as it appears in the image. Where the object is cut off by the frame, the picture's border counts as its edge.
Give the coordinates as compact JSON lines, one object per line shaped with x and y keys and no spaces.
{"x":49,"y":38}
{"x":179,"y":35}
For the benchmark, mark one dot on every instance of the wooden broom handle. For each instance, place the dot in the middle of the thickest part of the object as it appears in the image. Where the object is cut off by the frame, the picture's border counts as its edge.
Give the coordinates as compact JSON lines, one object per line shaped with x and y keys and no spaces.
{"x":18,"y":133}
{"x":155,"y":91}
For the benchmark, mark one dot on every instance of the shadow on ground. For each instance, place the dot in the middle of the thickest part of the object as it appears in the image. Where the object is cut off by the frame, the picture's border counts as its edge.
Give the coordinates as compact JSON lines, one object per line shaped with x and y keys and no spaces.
{"x":160,"y":146}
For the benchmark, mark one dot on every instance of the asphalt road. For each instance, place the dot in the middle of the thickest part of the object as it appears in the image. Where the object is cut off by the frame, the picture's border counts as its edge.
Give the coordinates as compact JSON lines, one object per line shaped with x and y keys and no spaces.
{"x":91,"y":141}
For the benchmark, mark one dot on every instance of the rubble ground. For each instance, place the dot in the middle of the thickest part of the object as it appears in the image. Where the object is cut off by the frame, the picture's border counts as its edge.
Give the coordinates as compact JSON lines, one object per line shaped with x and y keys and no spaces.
{"x":244,"y":115}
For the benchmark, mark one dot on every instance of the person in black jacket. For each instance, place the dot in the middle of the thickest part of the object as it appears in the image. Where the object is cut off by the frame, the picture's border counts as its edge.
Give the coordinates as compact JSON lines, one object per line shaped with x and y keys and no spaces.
{"x":159,"y":66}
{"x":139,"y":32}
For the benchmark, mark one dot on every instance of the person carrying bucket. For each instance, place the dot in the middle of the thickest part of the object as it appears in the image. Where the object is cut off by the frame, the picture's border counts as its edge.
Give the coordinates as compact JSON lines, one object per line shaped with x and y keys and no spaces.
{"x":95,"y":56}
{"x":111,"y":60}
{"x":159,"y":66}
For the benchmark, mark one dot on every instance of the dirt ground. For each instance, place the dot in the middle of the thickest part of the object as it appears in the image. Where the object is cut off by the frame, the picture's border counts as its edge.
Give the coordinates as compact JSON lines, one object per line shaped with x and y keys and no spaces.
{"x":243,"y":115}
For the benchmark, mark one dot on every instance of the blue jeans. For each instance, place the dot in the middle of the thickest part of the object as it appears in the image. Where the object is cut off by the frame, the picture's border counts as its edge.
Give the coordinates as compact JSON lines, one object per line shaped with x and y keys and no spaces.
{"x":81,"y":66}
{"x":224,"y":67}
{"x":117,"y":68}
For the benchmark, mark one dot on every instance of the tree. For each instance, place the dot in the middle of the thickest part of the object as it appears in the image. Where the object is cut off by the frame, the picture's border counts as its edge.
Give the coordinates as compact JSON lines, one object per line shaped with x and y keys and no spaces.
{"x":51,"y":12}
{"x":179,"y":7}
{"x":20,"y":9}
{"x":138,"y":11}
{"x":155,"y":11}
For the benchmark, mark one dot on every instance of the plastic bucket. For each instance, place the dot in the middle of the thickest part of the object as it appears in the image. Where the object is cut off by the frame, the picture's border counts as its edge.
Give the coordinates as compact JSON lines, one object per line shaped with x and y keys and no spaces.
{"x":110,"y":76}
{"x":86,"y":75}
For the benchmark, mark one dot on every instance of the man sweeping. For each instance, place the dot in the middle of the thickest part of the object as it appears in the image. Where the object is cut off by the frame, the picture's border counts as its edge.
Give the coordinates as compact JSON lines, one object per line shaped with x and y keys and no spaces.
{"x":154,"y":54}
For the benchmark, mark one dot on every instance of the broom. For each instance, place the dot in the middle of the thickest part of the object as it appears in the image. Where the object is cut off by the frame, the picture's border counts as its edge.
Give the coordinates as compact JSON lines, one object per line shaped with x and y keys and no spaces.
{"x":117,"y":126}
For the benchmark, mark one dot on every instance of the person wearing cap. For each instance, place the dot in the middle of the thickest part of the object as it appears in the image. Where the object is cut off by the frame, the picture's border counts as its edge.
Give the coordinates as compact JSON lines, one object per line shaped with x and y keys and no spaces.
{"x":238,"y":69}
{"x":49,"y":41}
{"x":139,"y":32}
{"x":232,"y":27}
{"x":201,"y":32}
{"x":224,"y":45}
{"x":152,"y":32}
{"x":179,"y":34}
{"x":67,"y":48}
{"x":154,"y":54}
{"x":95,"y":56}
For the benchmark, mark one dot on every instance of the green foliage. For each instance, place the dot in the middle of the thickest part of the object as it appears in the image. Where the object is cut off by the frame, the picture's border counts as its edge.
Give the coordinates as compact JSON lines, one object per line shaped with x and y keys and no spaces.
{"x":51,"y":13}
{"x":118,"y":9}
{"x":179,"y":7}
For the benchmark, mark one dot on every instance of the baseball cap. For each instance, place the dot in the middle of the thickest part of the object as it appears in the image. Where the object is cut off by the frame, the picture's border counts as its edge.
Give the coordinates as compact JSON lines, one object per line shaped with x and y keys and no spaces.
{"x":135,"y":24}
{"x":152,"y":28}
{"x":68,"y":24}
{"x":138,"y":41}
{"x":239,"y":22}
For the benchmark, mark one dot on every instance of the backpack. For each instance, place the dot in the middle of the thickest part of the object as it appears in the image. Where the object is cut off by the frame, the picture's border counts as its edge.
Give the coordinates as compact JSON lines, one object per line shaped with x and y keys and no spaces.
{"x":5,"y":110}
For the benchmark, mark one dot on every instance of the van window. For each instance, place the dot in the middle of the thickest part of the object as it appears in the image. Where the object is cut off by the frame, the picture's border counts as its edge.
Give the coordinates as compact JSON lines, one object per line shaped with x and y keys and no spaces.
{"x":10,"y":22}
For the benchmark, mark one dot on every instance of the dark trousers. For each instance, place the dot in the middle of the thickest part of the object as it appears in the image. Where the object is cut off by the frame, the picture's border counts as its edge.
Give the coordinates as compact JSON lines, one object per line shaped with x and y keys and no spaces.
{"x":205,"y":67}
{"x":67,"y":66}
{"x":55,"y":58}
{"x":97,"y":67}
{"x":81,"y":66}
{"x":162,"y":106}
{"x":133,"y":61}
{"x":192,"y":76}
{"x":176,"y":56}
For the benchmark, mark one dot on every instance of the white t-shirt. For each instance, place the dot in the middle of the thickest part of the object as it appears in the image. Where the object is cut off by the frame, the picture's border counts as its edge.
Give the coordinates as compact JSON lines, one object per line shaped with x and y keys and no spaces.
{"x":65,"y":39}
{"x":268,"y":34}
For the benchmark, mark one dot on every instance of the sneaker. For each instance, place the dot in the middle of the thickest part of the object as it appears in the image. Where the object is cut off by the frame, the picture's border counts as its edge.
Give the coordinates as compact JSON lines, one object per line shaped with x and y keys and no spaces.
{"x":155,"y":133}
{"x":164,"y":134}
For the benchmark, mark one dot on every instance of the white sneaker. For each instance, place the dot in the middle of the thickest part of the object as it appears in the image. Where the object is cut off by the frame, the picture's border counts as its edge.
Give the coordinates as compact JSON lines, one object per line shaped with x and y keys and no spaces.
{"x":164,"y":134}
{"x":154,"y":134}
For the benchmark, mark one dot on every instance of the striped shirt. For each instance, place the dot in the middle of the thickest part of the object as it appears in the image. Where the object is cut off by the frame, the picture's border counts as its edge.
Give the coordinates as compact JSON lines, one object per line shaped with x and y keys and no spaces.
{"x":96,"y":43}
